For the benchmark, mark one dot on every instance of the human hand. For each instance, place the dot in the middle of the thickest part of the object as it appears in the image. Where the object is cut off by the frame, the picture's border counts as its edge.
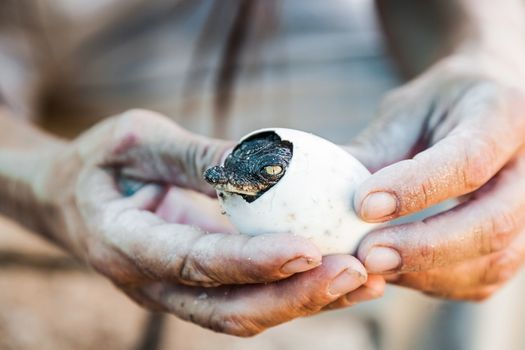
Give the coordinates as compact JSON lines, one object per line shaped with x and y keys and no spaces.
{"x":119,"y":197}
{"x":456,"y":131}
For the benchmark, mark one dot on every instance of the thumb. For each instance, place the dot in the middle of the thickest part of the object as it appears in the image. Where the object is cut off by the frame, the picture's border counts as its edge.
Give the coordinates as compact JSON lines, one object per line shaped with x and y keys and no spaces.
{"x":200,"y":153}
{"x":152,"y":148}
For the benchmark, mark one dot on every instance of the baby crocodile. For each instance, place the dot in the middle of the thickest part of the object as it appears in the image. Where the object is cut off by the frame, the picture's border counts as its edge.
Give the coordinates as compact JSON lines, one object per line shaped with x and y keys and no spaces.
{"x":253,"y":167}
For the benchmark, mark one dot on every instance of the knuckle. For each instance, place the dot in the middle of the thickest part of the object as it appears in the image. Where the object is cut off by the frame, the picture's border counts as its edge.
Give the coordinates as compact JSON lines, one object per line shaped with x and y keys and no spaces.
{"x":503,"y":275}
{"x":125,"y":135}
{"x":430,"y":188}
{"x":138,"y":115}
{"x":193,"y":265}
{"x":344,"y":301}
{"x":192,"y":273}
{"x":478,"y":154}
{"x":233,"y":324}
{"x":423,"y":253}
{"x":501,"y":268}
{"x":130,"y":119}
{"x":482,"y":148}
{"x":502,"y":227}
{"x":309,"y":304}
{"x":187,"y":269}
{"x":427,"y":282}
{"x":306,"y":309}
{"x":138,"y":121}
{"x":427,"y":191}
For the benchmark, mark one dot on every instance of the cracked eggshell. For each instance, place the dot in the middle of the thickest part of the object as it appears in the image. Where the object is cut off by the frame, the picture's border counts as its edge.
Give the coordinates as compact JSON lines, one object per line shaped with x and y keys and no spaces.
{"x":314,"y":198}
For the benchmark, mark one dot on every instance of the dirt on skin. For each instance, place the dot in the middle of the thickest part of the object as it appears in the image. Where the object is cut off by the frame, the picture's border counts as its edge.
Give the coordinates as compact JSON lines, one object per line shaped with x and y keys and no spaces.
{"x":50,"y":302}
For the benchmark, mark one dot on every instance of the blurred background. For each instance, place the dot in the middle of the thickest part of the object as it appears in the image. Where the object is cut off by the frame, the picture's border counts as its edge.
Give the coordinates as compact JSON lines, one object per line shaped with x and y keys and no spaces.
{"x":219,"y":68}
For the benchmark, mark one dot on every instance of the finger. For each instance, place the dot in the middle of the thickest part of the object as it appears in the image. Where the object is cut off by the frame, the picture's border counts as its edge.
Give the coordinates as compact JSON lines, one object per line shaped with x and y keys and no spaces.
{"x":465,"y":278}
{"x":149,"y":146}
{"x":187,"y":255}
{"x":97,"y":190}
{"x":485,"y":224}
{"x":405,"y":117}
{"x":180,"y":252}
{"x":128,"y":186}
{"x":458,"y":164}
{"x":475,"y":294}
{"x":198,"y":210}
{"x":372,"y":289}
{"x":248,"y":310}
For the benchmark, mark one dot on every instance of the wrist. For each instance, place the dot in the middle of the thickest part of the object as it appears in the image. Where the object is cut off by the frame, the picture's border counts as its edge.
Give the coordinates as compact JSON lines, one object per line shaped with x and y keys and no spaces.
{"x":23,"y":192}
{"x":51,"y":191}
{"x":27,"y":157}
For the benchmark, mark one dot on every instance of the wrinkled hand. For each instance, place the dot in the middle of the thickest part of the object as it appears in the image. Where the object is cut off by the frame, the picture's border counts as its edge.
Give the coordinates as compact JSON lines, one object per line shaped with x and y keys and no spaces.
{"x":124,"y":197}
{"x":456,"y":131}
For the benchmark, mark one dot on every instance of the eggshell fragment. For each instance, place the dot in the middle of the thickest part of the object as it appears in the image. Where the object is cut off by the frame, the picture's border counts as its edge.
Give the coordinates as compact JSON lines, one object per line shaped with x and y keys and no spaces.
{"x":314,"y":198}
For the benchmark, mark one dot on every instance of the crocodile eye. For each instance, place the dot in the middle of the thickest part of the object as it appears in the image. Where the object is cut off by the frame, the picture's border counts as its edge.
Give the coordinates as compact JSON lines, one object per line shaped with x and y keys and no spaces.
{"x":273,"y":169}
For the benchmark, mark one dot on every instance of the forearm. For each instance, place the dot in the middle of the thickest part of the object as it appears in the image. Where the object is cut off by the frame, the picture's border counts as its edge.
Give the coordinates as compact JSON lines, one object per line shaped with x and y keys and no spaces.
{"x":420,"y":33}
{"x":24,"y":155}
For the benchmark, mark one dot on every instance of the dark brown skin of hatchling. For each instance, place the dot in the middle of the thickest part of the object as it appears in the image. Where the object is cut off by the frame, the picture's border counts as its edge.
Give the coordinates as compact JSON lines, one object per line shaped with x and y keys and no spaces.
{"x":254,"y":166}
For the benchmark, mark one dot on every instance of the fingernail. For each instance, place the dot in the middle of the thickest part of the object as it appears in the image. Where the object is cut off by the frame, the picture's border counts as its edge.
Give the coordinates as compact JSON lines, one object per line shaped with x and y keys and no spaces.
{"x":382,"y":259}
{"x":347,"y":281}
{"x":378,"y":205}
{"x":299,"y":265}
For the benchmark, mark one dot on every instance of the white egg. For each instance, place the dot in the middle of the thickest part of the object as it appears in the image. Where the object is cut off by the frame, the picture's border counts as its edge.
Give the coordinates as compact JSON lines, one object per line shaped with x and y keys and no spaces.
{"x":314,"y":198}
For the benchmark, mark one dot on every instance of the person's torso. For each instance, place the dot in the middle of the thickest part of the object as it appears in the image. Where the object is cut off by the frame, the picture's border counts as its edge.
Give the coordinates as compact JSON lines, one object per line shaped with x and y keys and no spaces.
{"x":314,"y":65}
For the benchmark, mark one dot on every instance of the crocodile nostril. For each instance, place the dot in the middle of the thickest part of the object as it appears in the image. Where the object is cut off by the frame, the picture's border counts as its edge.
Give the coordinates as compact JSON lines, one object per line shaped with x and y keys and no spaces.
{"x":215,"y":175}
